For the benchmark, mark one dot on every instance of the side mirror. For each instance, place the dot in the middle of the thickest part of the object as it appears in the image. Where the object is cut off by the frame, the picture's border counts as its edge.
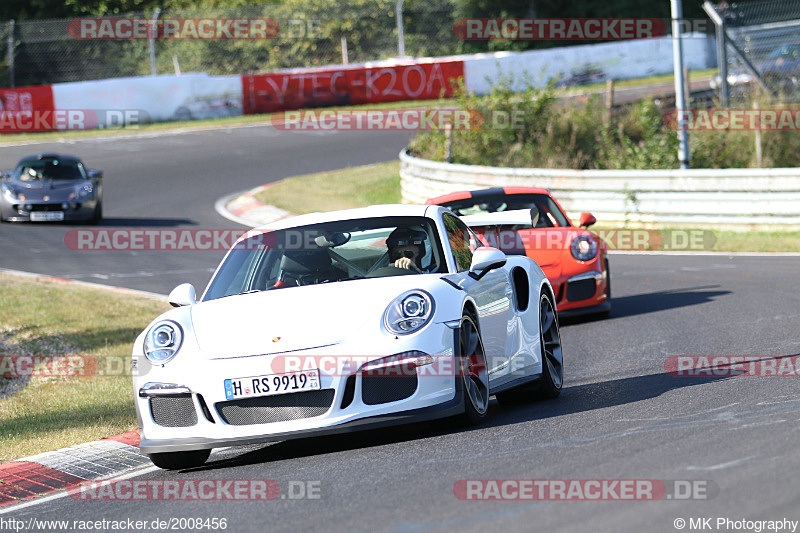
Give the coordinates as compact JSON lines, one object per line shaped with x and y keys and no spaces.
{"x":485,"y":259}
{"x":534,"y":216}
{"x":94,"y":174}
{"x":181,"y":295}
{"x":587,"y":219}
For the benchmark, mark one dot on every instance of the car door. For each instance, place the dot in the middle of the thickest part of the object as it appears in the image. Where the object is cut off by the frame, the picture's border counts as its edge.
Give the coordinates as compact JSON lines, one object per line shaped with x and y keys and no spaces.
{"x":492,"y":294}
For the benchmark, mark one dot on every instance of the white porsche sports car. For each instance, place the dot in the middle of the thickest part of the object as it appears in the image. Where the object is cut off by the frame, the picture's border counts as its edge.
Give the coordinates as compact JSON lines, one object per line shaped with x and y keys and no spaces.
{"x":334,"y":322}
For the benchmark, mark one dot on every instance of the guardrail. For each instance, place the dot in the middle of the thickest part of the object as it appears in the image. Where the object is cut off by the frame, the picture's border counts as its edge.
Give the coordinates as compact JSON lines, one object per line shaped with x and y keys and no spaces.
{"x":741,"y":199}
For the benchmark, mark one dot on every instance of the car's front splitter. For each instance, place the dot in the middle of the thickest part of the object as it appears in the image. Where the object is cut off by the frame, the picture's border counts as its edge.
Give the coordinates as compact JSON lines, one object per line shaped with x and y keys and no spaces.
{"x":449,"y":408}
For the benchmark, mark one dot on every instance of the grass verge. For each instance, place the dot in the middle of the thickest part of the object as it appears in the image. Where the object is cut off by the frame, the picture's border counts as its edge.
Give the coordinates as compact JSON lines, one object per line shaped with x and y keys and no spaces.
{"x":191,"y":125}
{"x":380,"y":184}
{"x":45,"y":317}
{"x":756,"y":241}
{"x":337,"y":189}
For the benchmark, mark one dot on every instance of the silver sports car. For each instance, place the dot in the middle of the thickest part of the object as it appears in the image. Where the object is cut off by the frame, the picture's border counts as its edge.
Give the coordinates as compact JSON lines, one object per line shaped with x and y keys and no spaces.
{"x":51,"y":187}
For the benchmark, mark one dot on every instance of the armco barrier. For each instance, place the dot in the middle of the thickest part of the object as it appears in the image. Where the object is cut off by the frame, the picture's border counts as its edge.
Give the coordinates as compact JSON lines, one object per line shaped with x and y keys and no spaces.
{"x":725,"y":198}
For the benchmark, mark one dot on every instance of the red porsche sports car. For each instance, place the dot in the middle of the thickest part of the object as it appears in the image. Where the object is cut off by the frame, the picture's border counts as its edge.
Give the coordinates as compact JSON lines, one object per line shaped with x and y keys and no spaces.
{"x":573,"y":259}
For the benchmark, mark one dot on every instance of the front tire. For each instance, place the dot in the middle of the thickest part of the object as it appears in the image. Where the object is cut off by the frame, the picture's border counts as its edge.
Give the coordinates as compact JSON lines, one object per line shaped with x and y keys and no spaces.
{"x":179,"y":460}
{"x":473,"y":373}
{"x":607,"y":312}
{"x":97,"y":216}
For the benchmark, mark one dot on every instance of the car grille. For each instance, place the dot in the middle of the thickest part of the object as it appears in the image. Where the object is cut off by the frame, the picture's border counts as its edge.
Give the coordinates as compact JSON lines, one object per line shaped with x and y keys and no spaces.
{"x":378,"y":389}
{"x":173,"y":411}
{"x":279,"y":408}
{"x":581,"y":289}
{"x":40,"y":207}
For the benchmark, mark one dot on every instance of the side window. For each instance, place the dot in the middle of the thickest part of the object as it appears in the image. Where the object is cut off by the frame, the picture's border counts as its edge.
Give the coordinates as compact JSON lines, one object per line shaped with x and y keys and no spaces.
{"x":462,"y":241}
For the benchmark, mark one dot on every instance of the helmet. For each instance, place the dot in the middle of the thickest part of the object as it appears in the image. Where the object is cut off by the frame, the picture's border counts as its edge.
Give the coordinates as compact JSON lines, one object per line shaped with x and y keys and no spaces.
{"x":407,"y":236}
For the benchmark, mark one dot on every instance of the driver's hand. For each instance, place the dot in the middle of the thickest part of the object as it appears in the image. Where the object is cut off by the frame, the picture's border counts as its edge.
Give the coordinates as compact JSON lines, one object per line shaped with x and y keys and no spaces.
{"x":407,"y":263}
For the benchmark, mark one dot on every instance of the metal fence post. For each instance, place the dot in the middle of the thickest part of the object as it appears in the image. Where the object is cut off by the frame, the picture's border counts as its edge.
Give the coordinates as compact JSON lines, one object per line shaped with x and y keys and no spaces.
{"x":11,"y":53}
{"x":401,"y":39}
{"x":722,"y":52}
{"x":151,"y":41}
{"x":680,"y":97}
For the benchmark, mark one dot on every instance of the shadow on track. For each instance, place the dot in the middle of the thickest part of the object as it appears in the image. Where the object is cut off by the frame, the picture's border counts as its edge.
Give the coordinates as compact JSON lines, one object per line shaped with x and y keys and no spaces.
{"x":651,"y":302}
{"x":124,"y":222}
{"x":578,"y":399}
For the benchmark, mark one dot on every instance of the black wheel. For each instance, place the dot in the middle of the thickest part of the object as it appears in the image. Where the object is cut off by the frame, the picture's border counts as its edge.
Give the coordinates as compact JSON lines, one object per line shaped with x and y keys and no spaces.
{"x":179,"y":460}
{"x":552,"y":358}
{"x":549,"y":385}
{"x":97,"y":216}
{"x":605,"y":313}
{"x":473,"y":373}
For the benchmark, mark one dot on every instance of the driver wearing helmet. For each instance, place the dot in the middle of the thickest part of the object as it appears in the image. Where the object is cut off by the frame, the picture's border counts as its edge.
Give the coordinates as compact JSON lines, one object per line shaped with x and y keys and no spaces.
{"x":406,"y":248}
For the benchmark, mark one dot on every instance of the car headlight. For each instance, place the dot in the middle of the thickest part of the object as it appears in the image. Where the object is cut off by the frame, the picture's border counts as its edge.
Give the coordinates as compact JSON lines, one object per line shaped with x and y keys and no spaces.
{"x":409,"y":312}
{"x":81,"y":193}
{"x":583,"y":248}
{"x":9,"y":192}
{"x":163,"y":341}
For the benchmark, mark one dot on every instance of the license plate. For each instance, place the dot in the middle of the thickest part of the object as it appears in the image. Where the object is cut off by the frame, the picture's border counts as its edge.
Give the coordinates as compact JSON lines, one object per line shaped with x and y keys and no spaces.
{"x":46,"y":216}
{"x":271,"y":384}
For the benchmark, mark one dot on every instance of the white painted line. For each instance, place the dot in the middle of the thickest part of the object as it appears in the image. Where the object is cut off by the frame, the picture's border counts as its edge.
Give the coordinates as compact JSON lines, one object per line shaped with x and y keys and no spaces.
{"x":142,"y":135}
{"x":219,"y":207}
{"x":723,"y":465}
{"x":84,"y":283}
{"x":261,"y":216}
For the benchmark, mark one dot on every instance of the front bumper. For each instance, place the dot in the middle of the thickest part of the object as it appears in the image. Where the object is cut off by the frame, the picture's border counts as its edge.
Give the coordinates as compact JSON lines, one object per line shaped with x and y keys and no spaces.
{"x":451,"y":407}
{"x":19,"y":211}
{"x":587,"y":290}
{"x":198,"y":415}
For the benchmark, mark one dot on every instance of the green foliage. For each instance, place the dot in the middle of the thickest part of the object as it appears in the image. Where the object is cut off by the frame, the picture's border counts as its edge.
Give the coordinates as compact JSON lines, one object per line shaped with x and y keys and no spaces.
{"x":644,"y":144}
{"x":550,"y":134}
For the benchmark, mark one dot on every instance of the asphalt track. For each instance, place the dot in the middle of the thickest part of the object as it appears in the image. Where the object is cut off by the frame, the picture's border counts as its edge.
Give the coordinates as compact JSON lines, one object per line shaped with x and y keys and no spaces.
{"x":171,"y":181}
{"x":620,"y":416}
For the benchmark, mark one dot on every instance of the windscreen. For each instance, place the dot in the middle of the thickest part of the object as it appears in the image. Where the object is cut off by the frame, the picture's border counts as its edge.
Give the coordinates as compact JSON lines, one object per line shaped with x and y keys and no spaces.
{"x":49,"y":169}
{"x":332,"y":252}
{"x":549,"y":214}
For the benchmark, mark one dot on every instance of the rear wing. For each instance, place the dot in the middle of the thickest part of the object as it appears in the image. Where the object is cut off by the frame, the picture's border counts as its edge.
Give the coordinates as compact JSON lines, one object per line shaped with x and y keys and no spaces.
{"x":518,"y":217}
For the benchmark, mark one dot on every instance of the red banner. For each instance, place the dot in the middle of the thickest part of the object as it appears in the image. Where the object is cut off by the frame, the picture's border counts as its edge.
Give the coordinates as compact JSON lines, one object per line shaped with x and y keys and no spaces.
{"x":18,"y":107}
{"x":266,"y":93}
